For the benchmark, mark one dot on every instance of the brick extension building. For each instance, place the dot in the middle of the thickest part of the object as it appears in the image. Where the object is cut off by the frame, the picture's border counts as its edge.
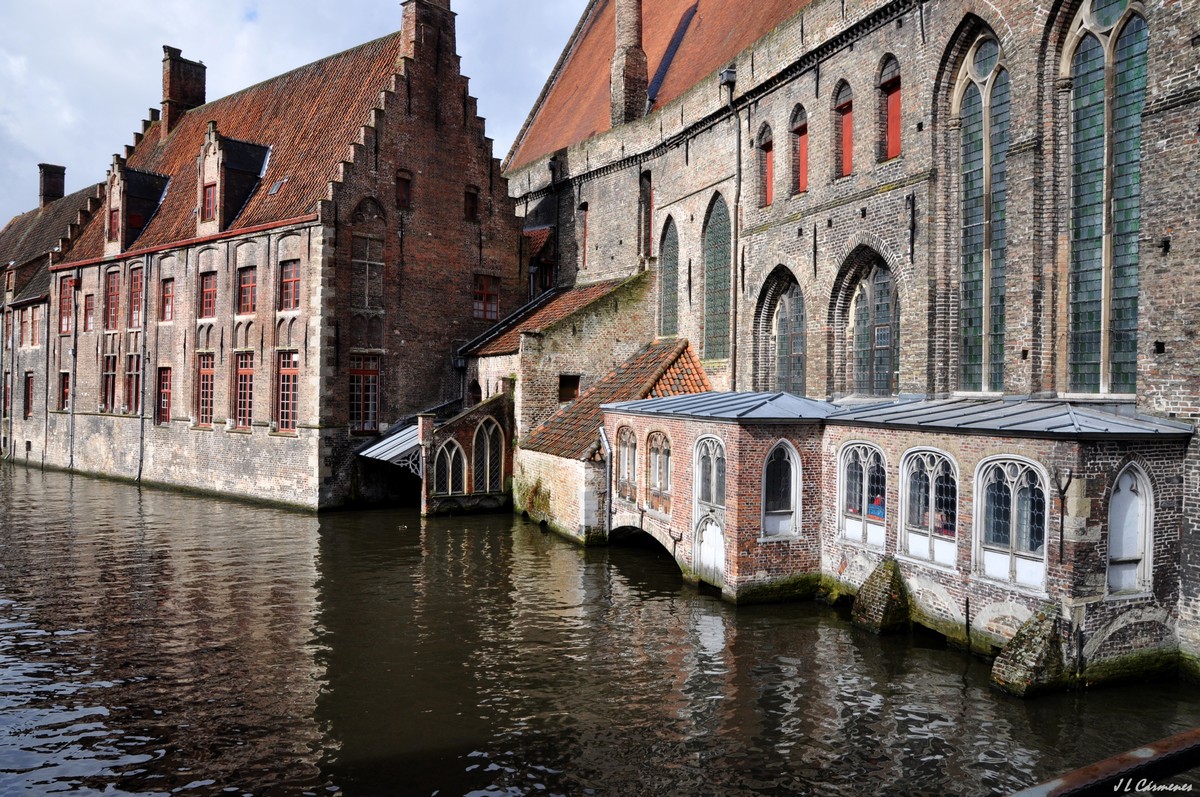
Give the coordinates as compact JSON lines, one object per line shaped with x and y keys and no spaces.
{"x":965,"y":230}
{"x":263,"y":282}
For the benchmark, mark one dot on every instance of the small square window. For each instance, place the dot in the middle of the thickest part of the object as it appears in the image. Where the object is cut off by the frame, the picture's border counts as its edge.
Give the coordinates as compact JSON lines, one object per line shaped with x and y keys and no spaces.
{"x":208,"y":211}
{"x":403,"y":189}
{"x":568,"y":387}
{"x":471,"y":204}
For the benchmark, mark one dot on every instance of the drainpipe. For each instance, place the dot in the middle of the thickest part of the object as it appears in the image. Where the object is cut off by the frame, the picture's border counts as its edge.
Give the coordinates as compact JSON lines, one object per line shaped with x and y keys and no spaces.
{"x":729,"y":80}
{"x":607,"y":482}
{"x":78,"y":291}
{"x":147,"y":272}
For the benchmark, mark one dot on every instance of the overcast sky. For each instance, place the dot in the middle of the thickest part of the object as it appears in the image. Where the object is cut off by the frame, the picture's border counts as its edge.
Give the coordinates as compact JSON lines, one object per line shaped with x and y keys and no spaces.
{"x":78,"y":76}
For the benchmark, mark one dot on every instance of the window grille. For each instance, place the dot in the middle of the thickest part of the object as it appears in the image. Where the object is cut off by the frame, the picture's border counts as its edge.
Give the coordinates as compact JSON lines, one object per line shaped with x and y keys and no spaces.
{"x":717,"y":265}
{"x":668,"y":270}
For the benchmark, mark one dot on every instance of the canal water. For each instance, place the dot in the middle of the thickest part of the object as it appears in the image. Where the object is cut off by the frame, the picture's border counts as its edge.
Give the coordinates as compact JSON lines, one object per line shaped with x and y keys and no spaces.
{"x":155,"y":643}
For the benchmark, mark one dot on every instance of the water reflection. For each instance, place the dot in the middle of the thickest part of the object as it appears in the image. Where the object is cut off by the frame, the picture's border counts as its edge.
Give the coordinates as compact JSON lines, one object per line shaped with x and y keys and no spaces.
{"x":152,"y":642}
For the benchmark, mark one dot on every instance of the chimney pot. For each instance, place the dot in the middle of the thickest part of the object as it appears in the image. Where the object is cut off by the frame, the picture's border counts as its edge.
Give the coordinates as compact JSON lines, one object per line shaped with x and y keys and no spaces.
{"x":183,"y":87}
{"x":51,"y":183}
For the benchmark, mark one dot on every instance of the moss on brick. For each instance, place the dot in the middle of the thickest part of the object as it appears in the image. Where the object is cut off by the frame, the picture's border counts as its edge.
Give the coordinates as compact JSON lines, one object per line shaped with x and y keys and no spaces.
{"x":834,"y":592}
{"x":1137,"y":666}
{"x":798,"y":587}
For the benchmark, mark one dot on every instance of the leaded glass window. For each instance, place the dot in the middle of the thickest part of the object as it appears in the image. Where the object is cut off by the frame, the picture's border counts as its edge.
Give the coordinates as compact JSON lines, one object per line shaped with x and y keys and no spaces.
{"x":711,"y":472}
{"x":658,"y":475}
{"x":790,"y":351}
{"x":984,"y":114}
{"x":876,"y":315}
{"x":449,"y":470}
{"x":1108,"y":91}
{"x":626,"y":464}
{"x":668,"y":271}
{"x":864,"y":493}
{"x":717,"y":265}
{"x":489,"y":458}
{"x":780,"y":493}
{"x":1014,"y":521}
{"x":931,"y":507}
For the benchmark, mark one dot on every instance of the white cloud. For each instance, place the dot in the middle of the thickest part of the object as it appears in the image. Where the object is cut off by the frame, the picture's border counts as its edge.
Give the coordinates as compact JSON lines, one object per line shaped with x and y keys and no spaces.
{"x":77,"y":77}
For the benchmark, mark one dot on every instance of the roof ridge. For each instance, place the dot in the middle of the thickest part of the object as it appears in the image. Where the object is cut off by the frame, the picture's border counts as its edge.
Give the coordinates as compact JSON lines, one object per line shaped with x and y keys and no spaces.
{"x":663,"y":367}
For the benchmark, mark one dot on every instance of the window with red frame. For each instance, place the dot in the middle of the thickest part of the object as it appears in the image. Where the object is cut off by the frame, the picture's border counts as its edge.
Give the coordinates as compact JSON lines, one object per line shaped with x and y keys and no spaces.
{"x":209,"y":211}
{"x":35,"y":326}
{"x":766,"y":167}
{"x":108,"y":383}
{"x":136,"y":288}
{"x":889,"y":107}
{"x":244,"y":398}
{"x":64,"y":390}
{"x":844,"y":136}
{"x":205,"y":379}
{"x":23,"y":313}
{"x":133,"y":384}
{"x":8,"y":281}
{"x":89,"y":313}
{"x":28,"y":393}
{"x":800,"y":150}
{"x":112,"y":300}
{"x":287,"y":391}
{"x":403,"y":189}
{"x":208,"y":294}
{"x":364,"y":393}
{"x":162,"y":405}
{"x":66,"y":305}
{"x":289,"y":285}
{"x":166,"y":301}
{"x":247,"y":280}
{"x":7,"y":395}
{"x":114,"y":224}
{"x":487,"y":297}
{"x":471,"y":204}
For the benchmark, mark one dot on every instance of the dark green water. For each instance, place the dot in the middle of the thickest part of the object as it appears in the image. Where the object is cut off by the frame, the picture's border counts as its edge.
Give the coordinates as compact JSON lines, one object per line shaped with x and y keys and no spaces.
{"x":153,"y":643}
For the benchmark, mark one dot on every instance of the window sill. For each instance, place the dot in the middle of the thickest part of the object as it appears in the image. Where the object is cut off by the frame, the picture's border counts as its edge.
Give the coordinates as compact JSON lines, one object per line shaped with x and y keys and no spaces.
{"x":928,"y":564}
{"x":239,"y":431}
{"x":1100,"y":398}
{"x":283,"y":434}
{"x":199,"y":428}
{"x":791,"y":536}
{"x":861,"y":543}
{"x":1024,"y":589}
{"x":1116,"y":597}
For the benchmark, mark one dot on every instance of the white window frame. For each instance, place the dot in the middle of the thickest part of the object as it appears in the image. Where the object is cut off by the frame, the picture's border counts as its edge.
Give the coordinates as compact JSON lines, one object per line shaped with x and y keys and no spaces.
{"x":861,"y":528}
{"x":1144,"y":578}
{"x":926,"y":543}
{"x":1010,"y":566}
{"x":782,"y":523}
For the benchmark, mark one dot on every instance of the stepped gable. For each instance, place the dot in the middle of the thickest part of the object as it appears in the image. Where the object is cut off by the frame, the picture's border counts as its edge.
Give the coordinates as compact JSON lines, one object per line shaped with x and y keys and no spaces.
{"x":695,"y":38}
{"x":505,"y":337}
{"x":36,"y":233}
{"x":664,"y":368}
{"x":309,"y":117}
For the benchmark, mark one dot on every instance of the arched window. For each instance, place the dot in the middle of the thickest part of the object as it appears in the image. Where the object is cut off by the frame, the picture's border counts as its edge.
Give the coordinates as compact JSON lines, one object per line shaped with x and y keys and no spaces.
{"x":1013,"y":515}
{"x":889,"y":109}
{"x":646,"y":215}
{"x":843,"y":130}
{"x":864,"y":494}
{"x":489,"y":458}
{"x":789,"y":342}
{"x":581,"y":227}
{"x":1108,"y":67}
{"x":931,"y":506}
{"x":766,"y":167}
{"x":876,"y":315}
{"x":710,"y":472}
{"x":449,"y":470}
{"x":984,"y":113}
{"x":799,"y":150}
{"x":1129,"y":542}
{"x":658,"y":472}
{"x":626,"y":464}
{"x":717,"y":265}
{"x":781,"y":493}
{"x":668,"y":272}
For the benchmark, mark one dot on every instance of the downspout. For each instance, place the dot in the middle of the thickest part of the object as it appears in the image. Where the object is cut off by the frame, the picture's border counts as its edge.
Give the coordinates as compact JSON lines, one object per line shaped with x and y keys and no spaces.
{"x":147,"y":271}
{"x":607,"y":482}
{"x":46,"y":381}
{"x":729,"y":80}
{"x":77,"y":289}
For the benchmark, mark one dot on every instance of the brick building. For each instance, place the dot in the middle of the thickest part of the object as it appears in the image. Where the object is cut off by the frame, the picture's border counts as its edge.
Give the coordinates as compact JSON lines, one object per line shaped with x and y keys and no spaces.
{"x":923,"y":215}
{"x":266,"y":282}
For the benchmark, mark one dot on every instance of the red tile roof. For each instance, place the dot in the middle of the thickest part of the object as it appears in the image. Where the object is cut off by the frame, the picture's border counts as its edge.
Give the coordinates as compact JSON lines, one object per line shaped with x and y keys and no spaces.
{"x":575,"y":102}
{"x":308,"y":117}
{"x":664,"y":368}
{"x":539,"y":316}
{"x":34,"y":234}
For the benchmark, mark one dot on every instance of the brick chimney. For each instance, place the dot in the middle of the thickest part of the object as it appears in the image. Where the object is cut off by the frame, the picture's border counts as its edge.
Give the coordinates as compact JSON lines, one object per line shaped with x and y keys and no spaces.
{"x":183,"y":87}
{"x":629,"y":81}
{"x":50,"y":183}
{"x":428,"y":26}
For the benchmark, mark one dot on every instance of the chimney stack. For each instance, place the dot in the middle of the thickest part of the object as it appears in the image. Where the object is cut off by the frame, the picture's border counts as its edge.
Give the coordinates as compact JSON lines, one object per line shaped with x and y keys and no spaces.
{"x":183,"y":87}
{"x":629,"y":71}
{"x":50,"y":183}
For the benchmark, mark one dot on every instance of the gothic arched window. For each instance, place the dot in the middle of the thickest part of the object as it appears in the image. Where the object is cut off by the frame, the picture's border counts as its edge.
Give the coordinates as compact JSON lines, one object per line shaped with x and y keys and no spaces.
{"x":717,"y":266}
{"x":790,"y":343}
{"x":1014,"y":521}
{"x":668,"y":272}
{"x":449,"y":470}
{"x":489,"y":458}
{"x":876,"y":317}
{"x":931,"y":506}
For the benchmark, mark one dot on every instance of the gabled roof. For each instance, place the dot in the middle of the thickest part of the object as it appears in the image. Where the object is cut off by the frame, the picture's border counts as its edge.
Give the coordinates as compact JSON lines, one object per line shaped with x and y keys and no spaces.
{"x":664,"y":368}
{"x":505,"y":337}
{"x":308,"y":117}
{"x":34,"y":234}
{"x":685,"y":41}
{"x":783,"y":407}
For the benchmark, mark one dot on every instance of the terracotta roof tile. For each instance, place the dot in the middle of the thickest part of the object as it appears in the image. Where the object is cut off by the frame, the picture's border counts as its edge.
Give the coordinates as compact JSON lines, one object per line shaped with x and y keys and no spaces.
{"x":538,"y":316}
{"x":33,"y":234}
{"x":575,"y":103}
{"x":308,"y":117}
{"x":664,"y":368}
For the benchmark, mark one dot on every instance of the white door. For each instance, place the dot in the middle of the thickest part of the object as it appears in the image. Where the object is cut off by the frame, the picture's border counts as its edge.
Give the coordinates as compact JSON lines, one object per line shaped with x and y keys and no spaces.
{"x":710,"y":559}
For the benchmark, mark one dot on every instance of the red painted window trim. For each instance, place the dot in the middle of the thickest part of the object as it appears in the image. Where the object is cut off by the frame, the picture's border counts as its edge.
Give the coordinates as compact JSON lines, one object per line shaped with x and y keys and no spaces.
{"x":287,"y":391}
{"x":801,"y":133}
{"x":114,"y":224}
{"x":209,"y":209}
{"x":247,"y":290}
{"x":133,"y":383}
{"x":205,"y":383}
{"x":364,"y":393}
{"x":162,"y":407}
{"x":208,"y":294}
{"x":486,"y":300}
{"x":64,"y":390}
{"x":35,"y":325}
{"x":243,"y":410}
{"x":108,"y":384}
{"x":136,"y":289}
{"x":89,"y":313}
{"x":112,"y":300}
{"x":66,"y":305}
{"x":28,"y":409}
{"x":891,"y":95}
{"x":768,"y":176}
{"x":166,"y":300}
{"x":846,"y":113}
{"x":289,"y":284}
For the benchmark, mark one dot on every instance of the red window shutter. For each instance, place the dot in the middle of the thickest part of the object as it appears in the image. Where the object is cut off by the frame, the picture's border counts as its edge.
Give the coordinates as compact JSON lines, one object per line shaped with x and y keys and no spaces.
{"x":768,"y":174}
{"x":893,"y":120}
{"x":847,"y":140}
{"x":802,"y":158}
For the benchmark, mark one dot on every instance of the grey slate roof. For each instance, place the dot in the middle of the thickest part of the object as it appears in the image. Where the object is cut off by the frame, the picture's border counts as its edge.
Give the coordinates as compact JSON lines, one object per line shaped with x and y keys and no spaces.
{"x":1041,"y":418}
{"x":727,"y":406}
{"x":394,"y":447}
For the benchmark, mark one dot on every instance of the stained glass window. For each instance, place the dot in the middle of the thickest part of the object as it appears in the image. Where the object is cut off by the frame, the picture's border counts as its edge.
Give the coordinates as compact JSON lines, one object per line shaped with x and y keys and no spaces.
{"x":790,"y":348}
{"x":668,"y":270}
{"x":876,"y":315}
{"x":716,"y":282}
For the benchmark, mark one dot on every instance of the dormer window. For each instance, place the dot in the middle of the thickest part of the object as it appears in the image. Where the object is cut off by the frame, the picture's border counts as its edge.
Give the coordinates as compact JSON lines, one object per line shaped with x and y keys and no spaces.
{"x":208,"y":210}
{"x":114,"y":225}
